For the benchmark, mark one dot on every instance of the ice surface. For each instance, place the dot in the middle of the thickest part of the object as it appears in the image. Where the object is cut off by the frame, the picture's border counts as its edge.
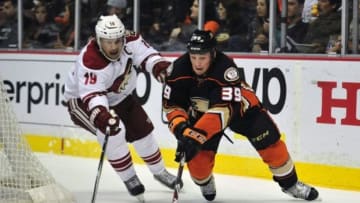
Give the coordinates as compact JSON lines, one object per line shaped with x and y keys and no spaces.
{"x":78,"y":175}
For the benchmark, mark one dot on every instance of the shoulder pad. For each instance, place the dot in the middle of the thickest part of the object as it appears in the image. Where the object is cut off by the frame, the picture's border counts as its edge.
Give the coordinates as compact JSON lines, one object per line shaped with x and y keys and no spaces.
{"x":131,"y":36}
{"x":93,"y":58}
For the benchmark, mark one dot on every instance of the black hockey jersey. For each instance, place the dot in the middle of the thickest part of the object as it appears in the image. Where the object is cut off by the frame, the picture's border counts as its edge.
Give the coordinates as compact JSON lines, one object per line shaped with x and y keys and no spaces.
{"x":210,"y":101}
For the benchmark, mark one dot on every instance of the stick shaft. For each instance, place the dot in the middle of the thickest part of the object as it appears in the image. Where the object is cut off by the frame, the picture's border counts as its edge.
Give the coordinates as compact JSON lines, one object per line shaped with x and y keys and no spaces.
{"x":178,"y":178}
{"x":99,"y":171}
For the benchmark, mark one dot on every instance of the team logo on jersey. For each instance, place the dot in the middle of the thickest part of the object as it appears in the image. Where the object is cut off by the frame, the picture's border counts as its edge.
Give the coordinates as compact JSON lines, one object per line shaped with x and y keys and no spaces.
{"x":231,"y":74}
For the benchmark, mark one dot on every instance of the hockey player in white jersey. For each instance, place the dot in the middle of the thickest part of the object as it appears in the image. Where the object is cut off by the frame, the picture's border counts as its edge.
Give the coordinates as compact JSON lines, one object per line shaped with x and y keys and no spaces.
{"x":102,"y":81}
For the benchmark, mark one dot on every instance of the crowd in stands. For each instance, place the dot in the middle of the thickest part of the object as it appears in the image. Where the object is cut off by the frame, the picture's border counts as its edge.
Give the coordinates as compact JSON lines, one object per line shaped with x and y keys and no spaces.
{"x":313,"y":26}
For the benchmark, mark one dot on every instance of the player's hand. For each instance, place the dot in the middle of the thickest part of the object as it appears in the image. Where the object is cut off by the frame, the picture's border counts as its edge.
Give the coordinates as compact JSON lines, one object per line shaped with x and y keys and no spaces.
{"x":161,"y":70}
{"x":102,"y":118}
{"x":189,"y":139}
{"x":189,"y":146}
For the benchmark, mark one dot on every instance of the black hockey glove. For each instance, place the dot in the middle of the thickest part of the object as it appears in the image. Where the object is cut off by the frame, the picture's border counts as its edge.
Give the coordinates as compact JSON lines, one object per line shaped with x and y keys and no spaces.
{"x":190,"y":141}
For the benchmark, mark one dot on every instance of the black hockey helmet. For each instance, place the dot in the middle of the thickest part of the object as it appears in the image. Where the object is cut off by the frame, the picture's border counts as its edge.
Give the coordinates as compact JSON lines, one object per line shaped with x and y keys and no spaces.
{"x":201,"y":41}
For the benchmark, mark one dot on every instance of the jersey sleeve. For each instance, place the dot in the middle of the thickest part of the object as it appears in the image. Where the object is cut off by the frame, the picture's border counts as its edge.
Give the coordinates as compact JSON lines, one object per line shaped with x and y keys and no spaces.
{"x":175,"y":101}
{"x":143,"y":54}
{"x":176,"y":91}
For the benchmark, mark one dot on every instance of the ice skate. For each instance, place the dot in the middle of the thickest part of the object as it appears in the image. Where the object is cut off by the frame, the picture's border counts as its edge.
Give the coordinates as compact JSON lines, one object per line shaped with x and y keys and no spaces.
{"x":208,"y":190}
{"x":167,"y":179}
{"x":135,"y":188}
{"x":302,"y":191}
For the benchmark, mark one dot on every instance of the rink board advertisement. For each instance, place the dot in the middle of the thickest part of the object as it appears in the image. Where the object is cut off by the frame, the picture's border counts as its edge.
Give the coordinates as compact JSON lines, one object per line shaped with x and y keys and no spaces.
{"x":315,"y":102}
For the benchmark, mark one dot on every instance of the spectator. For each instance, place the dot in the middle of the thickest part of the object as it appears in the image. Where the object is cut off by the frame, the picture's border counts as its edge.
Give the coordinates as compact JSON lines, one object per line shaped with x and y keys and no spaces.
{"x":2,"y":15}
{"x":260,"y":27}
{"x":156,"y":20}
{"x":119,"y":8}
{"x":66,"y":22}
{"x":233,"y":31}
{"x":351,"y":33}
{"x":9,"y":29}
{"x":296,"y":28}
{"x":44,"y":32}
{"x":334,"y":45}
{"x":328,"y":23}
{"x":223,"y":35}
{"x":180,"y":34}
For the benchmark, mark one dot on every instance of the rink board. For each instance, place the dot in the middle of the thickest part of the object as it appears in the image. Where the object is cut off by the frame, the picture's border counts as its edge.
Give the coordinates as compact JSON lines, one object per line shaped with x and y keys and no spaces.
{"x":315,"y":101}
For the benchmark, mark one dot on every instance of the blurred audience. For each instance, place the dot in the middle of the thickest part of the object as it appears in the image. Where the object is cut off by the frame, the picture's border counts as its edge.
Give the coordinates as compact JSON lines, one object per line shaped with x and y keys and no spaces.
{"x":164,"y":17}
{"x":44,"y":33}
{"x":9,"y":25}
{"x":234,"y":18}
{"x":120,"y":8}
{"x":66,"y":22}
{"x":238,"y":25}
{"x":260,"y":27}
{"x":296,"y":28}
{"x":328,"y":23}
{"x":352,"y":32}
{"x":180,"y":34}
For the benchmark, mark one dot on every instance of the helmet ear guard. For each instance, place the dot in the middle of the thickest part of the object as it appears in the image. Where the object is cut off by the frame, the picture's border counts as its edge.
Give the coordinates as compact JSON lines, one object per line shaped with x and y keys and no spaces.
{"x":201,"y":42}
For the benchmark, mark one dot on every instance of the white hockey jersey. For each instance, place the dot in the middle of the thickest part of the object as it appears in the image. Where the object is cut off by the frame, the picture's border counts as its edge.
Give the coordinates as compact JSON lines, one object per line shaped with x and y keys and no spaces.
{"x":98,"y":81}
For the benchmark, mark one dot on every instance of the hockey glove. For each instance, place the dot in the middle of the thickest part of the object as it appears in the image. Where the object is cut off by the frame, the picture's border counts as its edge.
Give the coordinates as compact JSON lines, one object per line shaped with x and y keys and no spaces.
{"x":160,"y":70}
{"x":102,"y":118}
{"x":190,"y":141}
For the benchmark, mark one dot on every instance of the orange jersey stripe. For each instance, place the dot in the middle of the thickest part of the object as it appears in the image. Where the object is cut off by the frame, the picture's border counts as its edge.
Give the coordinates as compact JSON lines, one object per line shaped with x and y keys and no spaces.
{"x":210,"y":123}
{"x":175,"y":113}
{"x":250,"y":97}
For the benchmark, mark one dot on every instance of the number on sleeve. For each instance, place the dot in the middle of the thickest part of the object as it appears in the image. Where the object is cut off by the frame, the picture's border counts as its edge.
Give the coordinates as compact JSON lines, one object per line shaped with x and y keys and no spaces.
{"x":167,"y":92}
{"x":231,"y":94}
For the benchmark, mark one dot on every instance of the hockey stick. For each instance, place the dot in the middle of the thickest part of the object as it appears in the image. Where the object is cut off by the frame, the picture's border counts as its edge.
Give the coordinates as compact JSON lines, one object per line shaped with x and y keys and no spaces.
{"x":107,"y":135}
{"x":178,"y":178}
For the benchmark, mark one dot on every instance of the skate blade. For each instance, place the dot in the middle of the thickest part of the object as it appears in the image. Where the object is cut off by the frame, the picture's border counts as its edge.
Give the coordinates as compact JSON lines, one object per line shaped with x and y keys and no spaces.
{"x":140,"y":198}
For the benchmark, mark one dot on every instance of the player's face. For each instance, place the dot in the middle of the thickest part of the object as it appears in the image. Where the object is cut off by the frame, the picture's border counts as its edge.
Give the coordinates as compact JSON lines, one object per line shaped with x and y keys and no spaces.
{"x":112,"y":47}
{"x":200,"y":63}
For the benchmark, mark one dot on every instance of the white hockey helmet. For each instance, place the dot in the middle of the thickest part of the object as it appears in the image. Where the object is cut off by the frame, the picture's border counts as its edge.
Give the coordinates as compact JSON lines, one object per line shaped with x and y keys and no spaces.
{"x":109,"y":27}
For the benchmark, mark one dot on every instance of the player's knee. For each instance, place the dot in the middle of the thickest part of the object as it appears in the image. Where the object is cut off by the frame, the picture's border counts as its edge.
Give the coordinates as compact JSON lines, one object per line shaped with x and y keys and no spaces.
{"x":117,"y":145}
{"x":200,"y":167}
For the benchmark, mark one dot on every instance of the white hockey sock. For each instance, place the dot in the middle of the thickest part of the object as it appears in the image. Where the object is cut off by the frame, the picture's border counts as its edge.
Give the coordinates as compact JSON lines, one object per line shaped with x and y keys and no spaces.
{"x":118,"y":154}
{"x":149,"y":151}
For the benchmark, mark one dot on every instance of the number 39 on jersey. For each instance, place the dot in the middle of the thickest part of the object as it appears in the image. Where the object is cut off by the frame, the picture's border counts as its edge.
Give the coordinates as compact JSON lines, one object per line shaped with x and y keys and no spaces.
{"x":231,"y":94}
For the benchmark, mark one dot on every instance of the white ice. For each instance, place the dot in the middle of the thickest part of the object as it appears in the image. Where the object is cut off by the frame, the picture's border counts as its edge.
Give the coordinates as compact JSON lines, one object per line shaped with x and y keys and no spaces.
{"x":78,"y":175}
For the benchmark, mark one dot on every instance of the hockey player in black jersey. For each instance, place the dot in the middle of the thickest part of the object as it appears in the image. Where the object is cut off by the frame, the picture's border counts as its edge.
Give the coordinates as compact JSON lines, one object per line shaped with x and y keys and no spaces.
{"x":203,"y":95}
